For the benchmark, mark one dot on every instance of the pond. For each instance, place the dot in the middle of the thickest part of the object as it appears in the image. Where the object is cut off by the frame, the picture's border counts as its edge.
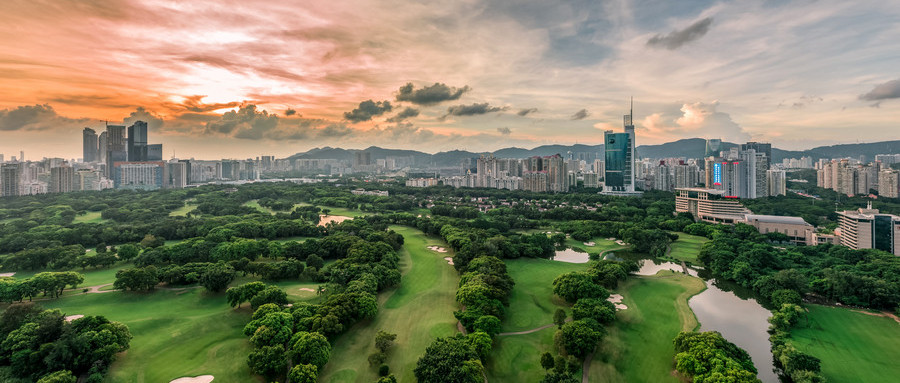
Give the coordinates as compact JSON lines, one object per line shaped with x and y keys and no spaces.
{"x":571,"y":256}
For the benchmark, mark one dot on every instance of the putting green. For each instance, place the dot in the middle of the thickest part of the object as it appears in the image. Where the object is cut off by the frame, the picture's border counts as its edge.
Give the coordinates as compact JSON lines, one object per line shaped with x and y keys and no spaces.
{"x":418,"y":311}
{"x":687,"y":247}
{"x":853,"y":346}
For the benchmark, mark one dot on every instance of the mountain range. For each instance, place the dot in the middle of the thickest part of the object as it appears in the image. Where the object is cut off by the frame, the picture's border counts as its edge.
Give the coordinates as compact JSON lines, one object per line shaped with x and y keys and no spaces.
{"x":687,"y":148}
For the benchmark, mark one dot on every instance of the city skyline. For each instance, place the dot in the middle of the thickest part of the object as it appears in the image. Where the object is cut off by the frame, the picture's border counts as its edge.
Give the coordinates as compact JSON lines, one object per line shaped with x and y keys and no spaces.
{"x":250,"y":78}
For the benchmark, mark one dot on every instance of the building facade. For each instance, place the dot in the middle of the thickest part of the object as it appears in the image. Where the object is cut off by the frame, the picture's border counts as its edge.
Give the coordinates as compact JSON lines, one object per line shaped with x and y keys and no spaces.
{"x":869,"y":229}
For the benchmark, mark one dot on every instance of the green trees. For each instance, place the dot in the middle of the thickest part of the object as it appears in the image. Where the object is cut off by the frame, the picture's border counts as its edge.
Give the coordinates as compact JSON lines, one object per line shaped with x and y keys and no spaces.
{"x":600,"y":310}
{"x":136,"y":279}
{"x":488,"y":324}
{"x":708,"y":357}
{"x":268,"y":361}
{"x":243,"y":293}
{"x":217,"y":276}
{"x":42,"y":346}
{"x":580,"y":337}
{"x":310,"y":348}
{"x":128,"y":251}
{"x":304,"y":373}
{"x":576,"y":285}
{"x":450,"y":360}
{"x":559,"y":318}
{"x":383,"y":342}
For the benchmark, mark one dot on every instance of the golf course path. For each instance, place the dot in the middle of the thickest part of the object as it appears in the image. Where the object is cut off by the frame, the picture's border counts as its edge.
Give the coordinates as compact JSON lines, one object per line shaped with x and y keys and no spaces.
{"x":96,"y":289}
{"x":586,"y":367}
{"x":532,"y":330}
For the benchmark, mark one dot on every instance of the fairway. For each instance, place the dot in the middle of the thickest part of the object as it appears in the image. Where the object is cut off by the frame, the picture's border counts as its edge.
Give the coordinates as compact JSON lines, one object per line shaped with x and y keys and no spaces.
{"x":687,"y":247}
{"x":89,"y":217}
{"x":176,"y":333}
{"x":639,"y":346}
{"x":182,"y":211}
{"x":600,"y":245}
{"x":418,"y":311}
{"x":853,"y":347}
{"x":92,"y":277}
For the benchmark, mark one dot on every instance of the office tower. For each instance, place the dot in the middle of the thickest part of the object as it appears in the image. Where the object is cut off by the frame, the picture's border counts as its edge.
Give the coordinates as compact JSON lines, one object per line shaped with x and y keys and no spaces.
{"x":21,"y":156}
{"x":188,"y":170}
{"x":115,"y":147}
{"x":101,"y":148}
{"x":137,"y":142}
{"x":557,"y":174}
{"x":759,"y":147}
{"x":154,"y":152}
{"x":176,"y":175}
{"x":869,"y":229}
{"x":90,"y":145}
{"x":10,"y":178}
{"x":713,"y":148}
{"x":62,"y":179}
{"x":619,"y":157}
{"x":889,"y":184}
{"x":776,"y":182}
{"x":140,"y":175}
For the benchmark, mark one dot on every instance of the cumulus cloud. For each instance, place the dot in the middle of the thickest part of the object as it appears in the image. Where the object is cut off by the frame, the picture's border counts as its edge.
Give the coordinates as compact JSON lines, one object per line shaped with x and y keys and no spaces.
{"x":247,"y":122}
{"x":677,"y":38}
{"x":430,"y":95}
{"x":504,"y":131}
{"x":153,"y":121}
{"x":697,"y":119}
{"x":368,"y":109}
{"x":36,"y":117}
{"x":888,"y":90}
{"x":580,"y":115}
{"x":195,"y":104}
{"x":471,"y":110}
{"x":404,"y":114}
{"x":525,"y":112}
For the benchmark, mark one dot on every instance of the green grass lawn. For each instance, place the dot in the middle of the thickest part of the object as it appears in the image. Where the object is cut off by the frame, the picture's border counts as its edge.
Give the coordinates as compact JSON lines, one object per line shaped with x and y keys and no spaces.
{"x":89,"y":217}
{"x":639,"y":345}
{"x":687,"y":247}
{"x":352,"y":213}
{"x":176,"y":333}
{"x":853,"y":347}
{"x":92,"y":277}
{"x":255,"y":204}
{"x":600,"y":245}
{"x":182,"y":211}
{"x":418,"y":311}
{"x":517,"y":358}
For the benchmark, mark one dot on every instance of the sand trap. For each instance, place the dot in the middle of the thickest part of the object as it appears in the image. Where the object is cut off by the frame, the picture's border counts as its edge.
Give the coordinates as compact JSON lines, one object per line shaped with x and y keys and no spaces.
{"x":199,"y":379}
{"x":70,"y":318}
{"x":437,"y":248}
{"x":326,"y":219}
{"x":589,"y":243}
{"x":620,"y":242}
{"x":6,"y":274}
{"x":307,"y":289}
{"x":616,"y":299}
{"x":449,"y":260}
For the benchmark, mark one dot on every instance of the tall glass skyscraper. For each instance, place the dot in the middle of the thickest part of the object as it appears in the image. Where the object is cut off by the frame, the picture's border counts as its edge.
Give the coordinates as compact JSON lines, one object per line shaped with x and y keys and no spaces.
{"x":137,"y":141}
{"x":619,"y":156}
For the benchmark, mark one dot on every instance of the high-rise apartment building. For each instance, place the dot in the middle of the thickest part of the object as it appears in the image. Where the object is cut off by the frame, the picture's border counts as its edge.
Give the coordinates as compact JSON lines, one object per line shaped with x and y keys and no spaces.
{"x":177,"y":175}
{"x":868,"y":229}
{"x":90,"y":145}
{"x":686,"y":175}
{"x":889,"y":183}
{"x":777,"y":182}
{"x":140,"y":175}
{"x":102,"y":147}
{"x":62,"y":179}
{"x":10,"y":179}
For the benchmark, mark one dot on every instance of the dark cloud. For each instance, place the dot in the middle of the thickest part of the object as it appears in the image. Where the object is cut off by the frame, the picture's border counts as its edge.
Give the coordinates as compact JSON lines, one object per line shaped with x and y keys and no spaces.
{"x":525,"y":112}
{"x":368,"y":109}
{"x":91,"y":99}
{"x":580,"y":115}
{"x":471,"y":110}
{"x":404,"y":114}
{"x":153,"y":121}
{"x":246,"y":122}
{"x":677,"y":38}
{"x":36,"y":117}
{"x":290,"y":112}
{"x":195,"y":104}
{"x":430,"y":95}
{"x":504,"y":131}
{"x":888,"y":90}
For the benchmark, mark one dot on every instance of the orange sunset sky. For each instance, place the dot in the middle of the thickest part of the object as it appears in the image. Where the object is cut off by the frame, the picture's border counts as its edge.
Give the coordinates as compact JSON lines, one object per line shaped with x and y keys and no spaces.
{"x":245,"y":78}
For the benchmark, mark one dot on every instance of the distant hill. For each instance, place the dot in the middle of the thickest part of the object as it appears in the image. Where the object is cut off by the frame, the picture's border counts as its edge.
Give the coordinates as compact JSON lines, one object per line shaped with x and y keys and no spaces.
{"x":688,"y":148}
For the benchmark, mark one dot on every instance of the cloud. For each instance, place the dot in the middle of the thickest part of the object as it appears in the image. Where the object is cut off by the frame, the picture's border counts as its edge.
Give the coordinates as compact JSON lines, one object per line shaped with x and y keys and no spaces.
{"x":525,"y":112}
{"x":246,"y":122}
{"x":153,"y":121}
{"x":195,"y":104}
{"x":404,"y":114}
{"x":580,"y":115}
{"x":368,"y":109}
{"x":697,"y":119}
{"x":677,"y":38}
{"x":888,"y":90}
{"x":504,"y":131}
{"x":471,"y":110}
{"x":430,"y":95}
{"x":37,"y":117}
{"x":290,"y":112}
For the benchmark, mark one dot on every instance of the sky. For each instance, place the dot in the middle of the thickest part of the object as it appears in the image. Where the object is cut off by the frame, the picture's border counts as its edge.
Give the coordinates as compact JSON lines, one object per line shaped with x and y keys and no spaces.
{"x":244,"y":78}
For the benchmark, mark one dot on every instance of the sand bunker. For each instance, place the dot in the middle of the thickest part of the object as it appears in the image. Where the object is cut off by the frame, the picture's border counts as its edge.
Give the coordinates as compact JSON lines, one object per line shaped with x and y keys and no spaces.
{"x":199,"y":379}
{"x":70,"y":318}
{"x":6,"y":274}
{"x":589,"y":243}
{"x":307,"y":289}
{"x":449,"y":260}
{"x":616,"y":299}
{"x":326,"y":219}
{"x":437,"y":248}
{"x":620,"y":242}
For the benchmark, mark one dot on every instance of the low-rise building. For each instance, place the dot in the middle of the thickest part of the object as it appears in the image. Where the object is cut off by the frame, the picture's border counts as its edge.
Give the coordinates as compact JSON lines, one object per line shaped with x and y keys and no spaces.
{"x":869,"y":229}
{"x":709,"y":205}
{"x":797,"y":230}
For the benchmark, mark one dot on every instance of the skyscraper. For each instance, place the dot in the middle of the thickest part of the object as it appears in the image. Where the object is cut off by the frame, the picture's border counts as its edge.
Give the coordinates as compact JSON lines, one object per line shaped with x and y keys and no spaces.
{"x":90,"y":146}
{"x":137,"y":141}
{"x":62,"y":179}
{"x":619,"y":157}
{"x":115,"y":147}
{"x":713,"y":147}
{"x":101,"y":148}
{"x":10,"y":177}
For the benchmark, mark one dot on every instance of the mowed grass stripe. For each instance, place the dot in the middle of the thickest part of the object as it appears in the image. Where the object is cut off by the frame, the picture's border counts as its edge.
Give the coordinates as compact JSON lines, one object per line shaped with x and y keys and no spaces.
{"x":853,"y":346}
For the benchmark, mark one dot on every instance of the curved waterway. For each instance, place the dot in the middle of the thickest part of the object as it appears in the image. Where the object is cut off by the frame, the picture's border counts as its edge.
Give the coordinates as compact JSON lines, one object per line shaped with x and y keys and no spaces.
{"x":731,"y":310}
